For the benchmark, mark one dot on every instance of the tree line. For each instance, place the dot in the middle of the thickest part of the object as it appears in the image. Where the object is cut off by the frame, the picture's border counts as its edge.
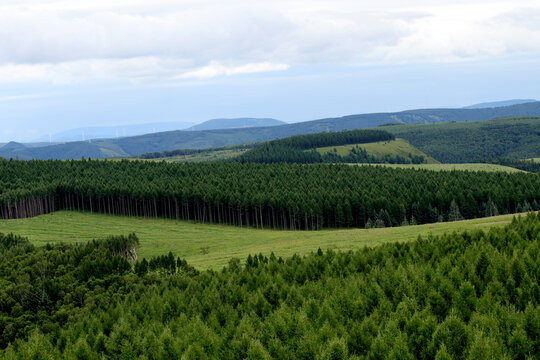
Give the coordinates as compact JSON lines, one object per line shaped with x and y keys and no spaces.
{"x":471,"y":295}
{"x":276,"y":196}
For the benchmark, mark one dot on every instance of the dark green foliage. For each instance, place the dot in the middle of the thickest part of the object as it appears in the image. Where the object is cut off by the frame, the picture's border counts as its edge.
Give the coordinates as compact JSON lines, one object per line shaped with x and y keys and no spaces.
{"x":42,"y":287}
{"x":473,"y":295}
{"x":14,"y":244}
{"x":262,"y":195}
{"x":463,"y":142}
{"x":301,"y":149}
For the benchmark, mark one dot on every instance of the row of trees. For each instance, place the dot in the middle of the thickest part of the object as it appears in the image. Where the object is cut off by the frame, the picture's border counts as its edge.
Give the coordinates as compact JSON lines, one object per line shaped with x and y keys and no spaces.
{"x":472,"y":295}
{"x":286,"y":196}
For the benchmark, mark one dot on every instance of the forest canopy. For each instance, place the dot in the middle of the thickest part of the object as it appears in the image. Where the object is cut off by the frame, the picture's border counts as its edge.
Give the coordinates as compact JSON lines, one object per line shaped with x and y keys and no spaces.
{"x":290,"y":196}
{"x":470,"y":295}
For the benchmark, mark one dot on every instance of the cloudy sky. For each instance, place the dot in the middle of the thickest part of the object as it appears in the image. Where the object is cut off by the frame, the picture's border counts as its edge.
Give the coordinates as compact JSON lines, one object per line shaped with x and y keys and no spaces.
{"x":68,"y":64}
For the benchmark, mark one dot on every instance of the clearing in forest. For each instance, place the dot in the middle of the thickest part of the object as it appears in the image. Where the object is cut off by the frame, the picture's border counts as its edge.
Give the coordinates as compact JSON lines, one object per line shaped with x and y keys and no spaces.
{"x":397,"y":147}
{"x":210,"y":246}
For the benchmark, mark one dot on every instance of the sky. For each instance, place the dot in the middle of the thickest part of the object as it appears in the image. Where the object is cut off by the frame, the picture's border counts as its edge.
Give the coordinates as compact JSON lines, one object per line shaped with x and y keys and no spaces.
{"x":70,"y":64}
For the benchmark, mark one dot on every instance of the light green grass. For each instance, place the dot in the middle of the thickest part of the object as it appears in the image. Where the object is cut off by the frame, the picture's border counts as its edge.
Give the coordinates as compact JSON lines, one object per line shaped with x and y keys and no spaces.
{"x":397,"y":147}
{"x":204,"y":156}
{"x":212,"y":246}
{"x":450,"y":167}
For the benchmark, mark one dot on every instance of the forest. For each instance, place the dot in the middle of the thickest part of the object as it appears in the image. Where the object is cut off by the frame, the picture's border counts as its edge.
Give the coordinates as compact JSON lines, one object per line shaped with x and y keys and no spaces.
{"x":274,"y":196}
{"x":301,"y":149}
{"x":463,"y":142}
{"x":470,"y":295}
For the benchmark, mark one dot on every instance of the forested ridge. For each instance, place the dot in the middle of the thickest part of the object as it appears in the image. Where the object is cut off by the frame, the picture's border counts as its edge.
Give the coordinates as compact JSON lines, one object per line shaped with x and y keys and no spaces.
{"x":288,"y":196}
{"x":459,"y":142}
{"x":471,"y":295}
{"x":301,"y":149}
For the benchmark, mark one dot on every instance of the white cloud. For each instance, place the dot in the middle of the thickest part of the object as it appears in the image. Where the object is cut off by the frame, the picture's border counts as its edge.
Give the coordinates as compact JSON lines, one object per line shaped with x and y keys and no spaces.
{"x":136,"y":40}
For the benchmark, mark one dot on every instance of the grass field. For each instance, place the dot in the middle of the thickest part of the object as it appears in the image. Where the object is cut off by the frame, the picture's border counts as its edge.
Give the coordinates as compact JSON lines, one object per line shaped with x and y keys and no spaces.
{"x":379,"y":149}
{"x":450,"y":167}
{"x":205,"y":156}
{"x":211,"y":246}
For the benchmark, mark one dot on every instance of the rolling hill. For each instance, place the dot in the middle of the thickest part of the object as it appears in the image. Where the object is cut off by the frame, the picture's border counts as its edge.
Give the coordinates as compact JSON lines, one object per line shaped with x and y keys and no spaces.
{"x":211,"y":138}
{"x":512,"y":138}
{"x":380,"y":149}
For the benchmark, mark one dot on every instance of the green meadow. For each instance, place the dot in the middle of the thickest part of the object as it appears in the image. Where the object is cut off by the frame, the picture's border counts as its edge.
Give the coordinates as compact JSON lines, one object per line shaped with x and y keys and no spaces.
{"x":397,"y":147}
{"x":209,"y":246}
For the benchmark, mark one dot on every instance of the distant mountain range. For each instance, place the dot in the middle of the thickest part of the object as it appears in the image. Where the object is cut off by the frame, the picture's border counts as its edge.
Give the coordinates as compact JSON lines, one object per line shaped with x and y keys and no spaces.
{"x":499,"y":103}
{"x":118,"y":131}
{"x":216,"y":124}
{"x":170,"y":140}
{"x":110,"y":132}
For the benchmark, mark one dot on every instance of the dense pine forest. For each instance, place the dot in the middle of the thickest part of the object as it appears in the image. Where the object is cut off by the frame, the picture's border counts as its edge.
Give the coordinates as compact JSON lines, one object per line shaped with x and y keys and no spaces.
{"x":290,"y":196}
{"x":472,"y":295}
{"x":458,"y":142}
{"x":301,"y":149}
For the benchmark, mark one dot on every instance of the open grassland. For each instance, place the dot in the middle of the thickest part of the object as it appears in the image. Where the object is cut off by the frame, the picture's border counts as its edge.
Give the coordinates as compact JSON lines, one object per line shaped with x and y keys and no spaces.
{"x":397,"y":147}
{"x":211,"y":246}
{"x":451,"y":167}
{"x":204,"y":156}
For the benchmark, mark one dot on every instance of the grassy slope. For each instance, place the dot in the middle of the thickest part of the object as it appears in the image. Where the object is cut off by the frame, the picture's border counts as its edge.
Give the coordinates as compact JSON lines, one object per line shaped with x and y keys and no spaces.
{"x":211,"y":246}
{"x":451,"y":167}
{"x":205,"y":156}
{"x":379,"y":149}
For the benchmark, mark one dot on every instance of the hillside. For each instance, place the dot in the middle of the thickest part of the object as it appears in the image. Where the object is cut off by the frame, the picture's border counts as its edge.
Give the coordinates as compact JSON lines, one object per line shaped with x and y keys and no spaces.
{"x":513,"y":138}
{"x":212,"y":138}
{"x":211,"y":246}
{"x":304,"y":149}
{"x":12,"y":145}
{"x":235,"y":123}
{"x":380,"y":150}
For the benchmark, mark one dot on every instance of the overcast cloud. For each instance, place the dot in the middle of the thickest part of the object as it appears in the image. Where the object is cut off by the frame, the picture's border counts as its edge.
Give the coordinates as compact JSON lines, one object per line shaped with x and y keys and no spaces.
{"x":75,"y":41}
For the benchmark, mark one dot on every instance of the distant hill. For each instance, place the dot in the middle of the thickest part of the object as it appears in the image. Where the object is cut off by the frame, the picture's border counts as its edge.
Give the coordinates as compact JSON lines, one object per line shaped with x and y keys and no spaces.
{"x":499,"y":103}
{"x":510,"y":138}
{"x":12,"y":145}
{"x":109,"y":132}
{"x":171,"y":140}
{"x":216,"y":124}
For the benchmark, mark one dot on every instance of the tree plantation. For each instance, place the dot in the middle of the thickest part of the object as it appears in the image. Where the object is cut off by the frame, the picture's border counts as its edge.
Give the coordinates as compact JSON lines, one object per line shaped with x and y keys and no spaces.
{"x":262,"y":195}
{"x":472,"y":295}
